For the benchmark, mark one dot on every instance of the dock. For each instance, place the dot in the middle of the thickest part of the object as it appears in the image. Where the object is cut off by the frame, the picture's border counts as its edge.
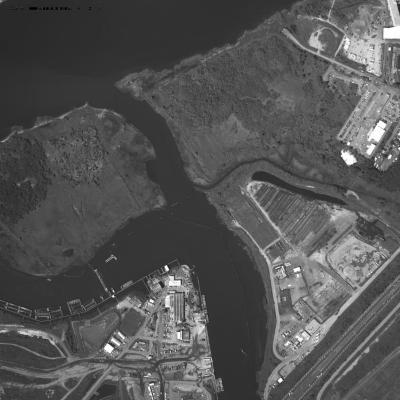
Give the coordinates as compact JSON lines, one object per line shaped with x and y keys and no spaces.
{"x":111,"y":258}
{"x":126,"y":285}
{"x":102,"y":281}
{"x":75,"y":306}
{"x":13,"y":308}
{"x":89,"y":305}
{"x":219,"y":385}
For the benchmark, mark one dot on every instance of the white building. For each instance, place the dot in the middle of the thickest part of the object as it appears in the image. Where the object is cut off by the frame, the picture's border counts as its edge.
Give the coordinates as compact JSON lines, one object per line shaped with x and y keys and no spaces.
{"x":392,"y":33}
{"x":168,"y":301}
{"x":348,"y":157}
{"x":115,"y":342}
{"x":376,"y":134}
{"x":120,"y":335}
{"x":108,"y":348}
{"x":174,"y":282}
{"x":370,"y":149}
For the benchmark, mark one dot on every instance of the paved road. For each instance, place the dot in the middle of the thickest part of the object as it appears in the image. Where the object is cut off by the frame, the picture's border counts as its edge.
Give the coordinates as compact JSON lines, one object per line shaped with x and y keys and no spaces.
{"x":329,"y":59}
{"x":313,"y":377}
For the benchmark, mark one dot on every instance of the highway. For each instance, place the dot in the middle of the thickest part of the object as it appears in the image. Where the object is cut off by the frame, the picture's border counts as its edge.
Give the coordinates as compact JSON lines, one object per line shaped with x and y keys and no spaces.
{"x":364,"y":323}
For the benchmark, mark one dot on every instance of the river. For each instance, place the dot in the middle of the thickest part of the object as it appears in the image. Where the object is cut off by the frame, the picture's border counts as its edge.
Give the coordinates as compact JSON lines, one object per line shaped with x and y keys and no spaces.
{"x":53,"y":61}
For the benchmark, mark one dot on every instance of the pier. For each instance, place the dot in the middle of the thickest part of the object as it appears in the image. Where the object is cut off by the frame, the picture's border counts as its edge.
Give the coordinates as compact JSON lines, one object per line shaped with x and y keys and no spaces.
{"x":75,"y":306}
{"x":102,"y":281}
{"x":111,"y":258}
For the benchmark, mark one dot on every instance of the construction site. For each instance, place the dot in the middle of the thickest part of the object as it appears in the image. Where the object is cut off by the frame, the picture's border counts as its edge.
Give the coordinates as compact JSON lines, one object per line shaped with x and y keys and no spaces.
{"x":322,"y":259}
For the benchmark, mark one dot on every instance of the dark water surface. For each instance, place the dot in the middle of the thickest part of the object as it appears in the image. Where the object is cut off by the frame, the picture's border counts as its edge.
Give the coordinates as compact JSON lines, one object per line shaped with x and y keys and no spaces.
{"x":52,"y":61}
{"x":307,"y":193}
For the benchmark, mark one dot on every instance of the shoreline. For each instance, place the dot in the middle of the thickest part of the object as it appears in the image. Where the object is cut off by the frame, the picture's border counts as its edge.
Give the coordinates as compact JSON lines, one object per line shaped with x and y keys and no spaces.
{"x":269,"y":360}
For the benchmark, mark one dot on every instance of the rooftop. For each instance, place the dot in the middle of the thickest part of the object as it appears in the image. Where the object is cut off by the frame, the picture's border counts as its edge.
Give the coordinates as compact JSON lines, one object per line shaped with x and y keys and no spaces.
{"x":348,"y":157}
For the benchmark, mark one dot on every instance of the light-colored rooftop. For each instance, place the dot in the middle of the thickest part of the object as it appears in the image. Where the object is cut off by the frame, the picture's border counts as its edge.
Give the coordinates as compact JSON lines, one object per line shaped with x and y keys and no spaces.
{"x":108,"y":348}
{"x":348,"y":157}
{"x":370,"y":149}
{"x":376,"y":134}
{"x":392,"y":33}
{"x":174,"y":282}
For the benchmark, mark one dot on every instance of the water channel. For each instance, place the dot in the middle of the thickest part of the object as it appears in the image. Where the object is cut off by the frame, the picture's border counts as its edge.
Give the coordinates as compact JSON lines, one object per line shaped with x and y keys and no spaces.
{"x":54,"y":61}
{"x":307,"y":193}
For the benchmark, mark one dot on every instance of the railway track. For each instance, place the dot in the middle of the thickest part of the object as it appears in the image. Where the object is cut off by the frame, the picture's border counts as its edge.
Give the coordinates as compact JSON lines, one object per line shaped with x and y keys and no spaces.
{"x":376,"y":310}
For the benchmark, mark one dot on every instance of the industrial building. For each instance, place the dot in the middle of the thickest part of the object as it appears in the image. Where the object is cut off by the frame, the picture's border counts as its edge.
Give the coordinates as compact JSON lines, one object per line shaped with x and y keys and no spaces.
{"x":183,"y":335}
{"x":371,"y":127}
{"x":378,"y":132}
{"x":108,"y":348}
{"x":174,"y":282}
{"x":115,"y":342}
{"x":179,"y":307}
{"x":286,"y":298}
{"x":348,"y":157}
{"x":392,"y":33}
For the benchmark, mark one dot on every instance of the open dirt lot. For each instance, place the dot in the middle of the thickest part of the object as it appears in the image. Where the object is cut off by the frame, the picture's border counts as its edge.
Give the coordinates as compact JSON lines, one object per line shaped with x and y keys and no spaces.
{"x":67,"y":186}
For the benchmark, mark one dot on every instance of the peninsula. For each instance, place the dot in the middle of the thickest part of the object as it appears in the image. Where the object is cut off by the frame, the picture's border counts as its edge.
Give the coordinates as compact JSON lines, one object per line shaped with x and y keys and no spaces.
{"x":305,"y":103}
{"x":265,"y":98}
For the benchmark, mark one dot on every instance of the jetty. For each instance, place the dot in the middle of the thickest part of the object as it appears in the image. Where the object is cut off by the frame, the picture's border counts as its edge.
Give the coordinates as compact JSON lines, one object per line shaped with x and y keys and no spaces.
{"x":75,"y":306}
{"x":111,"y":258}
{"x":102,"y":282}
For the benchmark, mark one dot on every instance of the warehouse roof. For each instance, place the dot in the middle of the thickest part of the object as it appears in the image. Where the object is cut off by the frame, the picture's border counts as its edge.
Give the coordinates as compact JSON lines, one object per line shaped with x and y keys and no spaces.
{"x":391,"y":33}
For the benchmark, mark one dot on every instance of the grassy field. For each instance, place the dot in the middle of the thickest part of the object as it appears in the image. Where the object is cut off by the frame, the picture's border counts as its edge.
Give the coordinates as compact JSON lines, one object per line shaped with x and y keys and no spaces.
{"x":53,"y":392}
{"x":7,"y":376}
{"x":83,"y":387}
{"x":383,"y":384}
{"x":91,"y":334}
{"x":331,"y":39}
{"x":39,"y":345}
{"x":378,"y":386}
{"x":68,"y":185}
{"x":16,"y":355}
{"x":254,"y":222}
{"x":131,"y":322}
{"x":303,"y":29}
{"x":71,"y":383}
{"x":262,"y":97}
